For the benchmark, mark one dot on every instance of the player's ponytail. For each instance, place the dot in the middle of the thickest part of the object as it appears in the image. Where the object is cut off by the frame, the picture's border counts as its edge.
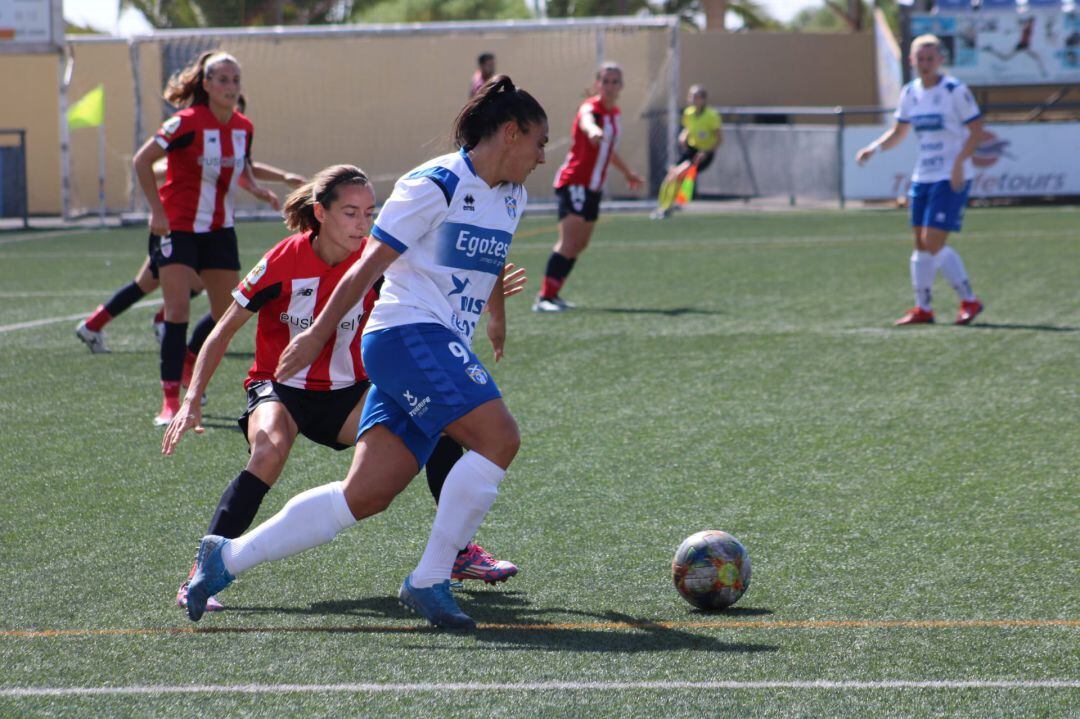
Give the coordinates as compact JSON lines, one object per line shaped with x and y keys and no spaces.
{"x":494,"y":104}
{"x":299,"y":207}
{"x":185,"y":87}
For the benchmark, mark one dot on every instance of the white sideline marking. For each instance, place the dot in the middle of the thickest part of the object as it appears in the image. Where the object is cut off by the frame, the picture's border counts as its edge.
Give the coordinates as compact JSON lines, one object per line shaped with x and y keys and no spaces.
{"x":532,"y":687}
{"x":66,"y":318}
{"x":65,"y":293}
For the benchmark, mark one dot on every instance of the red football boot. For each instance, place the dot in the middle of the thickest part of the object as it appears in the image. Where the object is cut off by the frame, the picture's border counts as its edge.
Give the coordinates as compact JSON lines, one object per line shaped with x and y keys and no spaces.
{"x":968,"y":311}
{"x":916,"y":316}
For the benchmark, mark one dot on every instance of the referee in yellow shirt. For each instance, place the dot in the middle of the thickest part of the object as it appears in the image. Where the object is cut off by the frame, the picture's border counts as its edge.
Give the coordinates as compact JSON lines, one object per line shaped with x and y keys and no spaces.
{"x":700,"y":136}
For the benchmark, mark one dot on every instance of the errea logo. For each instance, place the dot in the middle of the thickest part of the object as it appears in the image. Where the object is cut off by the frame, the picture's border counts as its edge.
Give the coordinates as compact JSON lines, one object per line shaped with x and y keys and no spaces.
{"x":470,"y":204}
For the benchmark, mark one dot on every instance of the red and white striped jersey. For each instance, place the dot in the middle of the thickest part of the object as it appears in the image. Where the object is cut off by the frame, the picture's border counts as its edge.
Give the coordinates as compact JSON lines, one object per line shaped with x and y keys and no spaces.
{"x":206,"y":158}
{"x":288,"y":287}
{"x":586,"y":164}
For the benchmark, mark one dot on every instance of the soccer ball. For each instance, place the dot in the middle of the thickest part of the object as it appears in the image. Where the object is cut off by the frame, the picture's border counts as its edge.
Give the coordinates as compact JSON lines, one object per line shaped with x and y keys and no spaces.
{"x":711,"y":569}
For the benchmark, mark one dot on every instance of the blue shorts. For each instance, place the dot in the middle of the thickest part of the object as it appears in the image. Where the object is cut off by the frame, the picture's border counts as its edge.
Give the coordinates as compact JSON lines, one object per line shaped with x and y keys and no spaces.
{"x":936,"y":204}
{"x":423,"y":378}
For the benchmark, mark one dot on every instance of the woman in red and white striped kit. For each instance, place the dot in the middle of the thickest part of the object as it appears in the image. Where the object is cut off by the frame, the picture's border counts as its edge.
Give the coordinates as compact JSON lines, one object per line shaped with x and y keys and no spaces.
{"x":208,"y":144}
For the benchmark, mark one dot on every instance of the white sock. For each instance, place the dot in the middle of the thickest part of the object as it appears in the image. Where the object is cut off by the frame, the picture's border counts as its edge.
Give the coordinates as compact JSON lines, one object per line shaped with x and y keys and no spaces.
{"x":467,"y":495}
{"x":309,"y":519}
{"x":952,"y":269}
{"x":922,"y":277}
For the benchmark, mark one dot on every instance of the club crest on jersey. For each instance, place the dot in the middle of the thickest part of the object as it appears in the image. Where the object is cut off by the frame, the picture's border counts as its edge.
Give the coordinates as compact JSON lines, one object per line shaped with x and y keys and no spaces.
{"x":170,"y":126}
{"x":470,"y":204}
{"x":255,"y":275}
{"x":511,"y":206}
{"x":477,"y":373}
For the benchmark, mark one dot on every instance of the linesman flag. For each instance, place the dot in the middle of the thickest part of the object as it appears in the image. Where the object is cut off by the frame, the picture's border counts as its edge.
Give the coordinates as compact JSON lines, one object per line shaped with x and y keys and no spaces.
{"x":89,"y":111}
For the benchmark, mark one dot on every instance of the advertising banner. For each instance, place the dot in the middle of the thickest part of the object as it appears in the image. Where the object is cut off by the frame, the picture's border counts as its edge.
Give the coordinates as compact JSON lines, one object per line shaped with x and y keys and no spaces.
{"x":1017,"y":160}
{"x":31,"y":26}
{"x":1036,"y":47}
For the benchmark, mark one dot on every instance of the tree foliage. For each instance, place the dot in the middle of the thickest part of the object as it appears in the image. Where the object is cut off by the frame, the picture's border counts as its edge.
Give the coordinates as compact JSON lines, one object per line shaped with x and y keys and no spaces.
{"x":437,"y":10}
{"x":248,"y":13}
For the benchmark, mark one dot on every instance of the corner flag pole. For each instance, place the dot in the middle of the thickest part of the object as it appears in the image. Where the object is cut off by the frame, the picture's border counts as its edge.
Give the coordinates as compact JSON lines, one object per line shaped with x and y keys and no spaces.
{"x":89,"y":111}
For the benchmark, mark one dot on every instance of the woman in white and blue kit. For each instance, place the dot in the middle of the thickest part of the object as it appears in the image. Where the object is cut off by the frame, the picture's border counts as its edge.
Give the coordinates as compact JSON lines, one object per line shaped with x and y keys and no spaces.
{"x":948,"y":124}
{"x":440,"y":241}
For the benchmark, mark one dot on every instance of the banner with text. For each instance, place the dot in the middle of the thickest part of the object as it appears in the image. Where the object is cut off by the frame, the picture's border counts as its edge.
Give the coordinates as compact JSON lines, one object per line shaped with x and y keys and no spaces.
{"x":1036,"y":47}
{"x":1016,"y":160}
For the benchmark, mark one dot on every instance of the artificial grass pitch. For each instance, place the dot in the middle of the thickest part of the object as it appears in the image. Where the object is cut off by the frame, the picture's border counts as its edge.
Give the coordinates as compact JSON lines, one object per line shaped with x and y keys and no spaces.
{"x":908,"y":496}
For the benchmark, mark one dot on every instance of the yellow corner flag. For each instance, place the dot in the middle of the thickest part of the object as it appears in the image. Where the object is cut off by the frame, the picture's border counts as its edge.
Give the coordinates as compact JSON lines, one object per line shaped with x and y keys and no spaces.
{"x":89,"y":111}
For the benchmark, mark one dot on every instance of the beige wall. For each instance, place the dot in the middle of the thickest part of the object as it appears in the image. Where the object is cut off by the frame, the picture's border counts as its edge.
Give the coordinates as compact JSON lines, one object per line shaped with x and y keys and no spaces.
{"x":387,"y":103}
{"x":28,"y":86}
{"x":781,"y":68}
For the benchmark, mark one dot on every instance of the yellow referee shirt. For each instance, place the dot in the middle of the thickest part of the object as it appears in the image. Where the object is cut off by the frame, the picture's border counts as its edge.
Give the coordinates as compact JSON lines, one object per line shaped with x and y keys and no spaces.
{"x":700,"y":128}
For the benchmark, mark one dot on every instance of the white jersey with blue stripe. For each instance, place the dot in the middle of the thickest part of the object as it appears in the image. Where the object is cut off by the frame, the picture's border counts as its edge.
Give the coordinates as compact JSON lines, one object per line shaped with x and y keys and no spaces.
{"x":454,"y":233}
{"x":939,"y":116}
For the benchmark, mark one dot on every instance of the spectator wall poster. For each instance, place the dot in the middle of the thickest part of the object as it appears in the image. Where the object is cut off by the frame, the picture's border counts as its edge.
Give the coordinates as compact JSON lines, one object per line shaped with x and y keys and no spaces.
{"x":31,"y":26}
{"x":1039,"y":45}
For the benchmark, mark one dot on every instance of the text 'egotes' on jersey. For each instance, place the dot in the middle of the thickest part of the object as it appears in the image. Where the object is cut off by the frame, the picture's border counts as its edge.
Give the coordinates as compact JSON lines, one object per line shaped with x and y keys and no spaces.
{"x":939,"y":116}
{"x":454,"y":233}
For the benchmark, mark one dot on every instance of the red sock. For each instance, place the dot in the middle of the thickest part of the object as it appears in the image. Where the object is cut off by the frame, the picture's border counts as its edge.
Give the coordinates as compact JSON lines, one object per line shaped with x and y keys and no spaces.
{"x":171,"y":390}
{"x":549,"y":288}
{"x":160,"y":316}
{"x":189,"y":368}
{"x":98,"y":319}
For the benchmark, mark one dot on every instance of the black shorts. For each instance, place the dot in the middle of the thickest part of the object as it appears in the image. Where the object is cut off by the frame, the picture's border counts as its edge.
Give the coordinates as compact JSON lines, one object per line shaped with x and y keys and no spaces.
{"x":319,"y":415}
{"x":690,"y":153}
{"x":214,"y":250}
{"x":578,"y":200}
{"x":153,"y":263}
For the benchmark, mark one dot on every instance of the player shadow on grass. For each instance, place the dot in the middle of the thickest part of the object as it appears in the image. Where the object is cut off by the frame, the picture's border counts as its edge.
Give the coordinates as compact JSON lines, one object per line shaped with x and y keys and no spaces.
{"x":512,"y":624}
{"x":220,"y":421}
{"x":1014,"y":326}
{"x":670,"y":312}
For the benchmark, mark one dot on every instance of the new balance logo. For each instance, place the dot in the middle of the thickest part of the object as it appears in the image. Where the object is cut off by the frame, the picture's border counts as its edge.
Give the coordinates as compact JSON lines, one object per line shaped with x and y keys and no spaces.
{"x":305,"y":292}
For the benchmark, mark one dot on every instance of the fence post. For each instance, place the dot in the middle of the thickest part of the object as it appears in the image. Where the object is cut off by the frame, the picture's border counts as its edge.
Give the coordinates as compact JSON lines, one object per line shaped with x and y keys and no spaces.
{"x":136,"y":80}
{"x":64,"y":70}
{"x":24,"y":189}
{"x":840,"y":154}
{"x":674,"y":80}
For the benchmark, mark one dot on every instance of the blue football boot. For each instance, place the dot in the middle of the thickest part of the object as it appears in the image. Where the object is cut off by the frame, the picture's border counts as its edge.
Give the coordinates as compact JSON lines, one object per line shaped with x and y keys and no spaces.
{"x":435,"y":604}
{"x":210,"y":575}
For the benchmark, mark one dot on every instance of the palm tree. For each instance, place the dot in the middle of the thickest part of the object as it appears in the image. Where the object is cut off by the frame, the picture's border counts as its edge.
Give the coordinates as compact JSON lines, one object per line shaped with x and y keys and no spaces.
{"x":233,"y":13}
{"x":753,"y":14}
